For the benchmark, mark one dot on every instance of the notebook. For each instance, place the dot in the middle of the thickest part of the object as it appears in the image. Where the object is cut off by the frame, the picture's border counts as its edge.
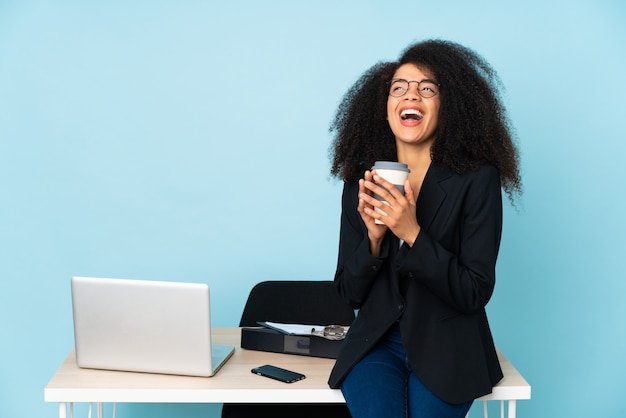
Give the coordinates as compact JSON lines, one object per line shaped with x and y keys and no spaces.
{"x":145,"y":326}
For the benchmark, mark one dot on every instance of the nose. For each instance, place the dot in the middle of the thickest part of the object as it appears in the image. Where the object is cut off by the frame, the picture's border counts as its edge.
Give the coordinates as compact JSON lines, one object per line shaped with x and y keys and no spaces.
{"x":412,"y":95}
{"x":412,"y":92}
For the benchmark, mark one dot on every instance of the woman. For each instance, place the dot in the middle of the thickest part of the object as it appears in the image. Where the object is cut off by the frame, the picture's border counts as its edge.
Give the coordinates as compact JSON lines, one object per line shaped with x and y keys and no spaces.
{"x":421,"y":345}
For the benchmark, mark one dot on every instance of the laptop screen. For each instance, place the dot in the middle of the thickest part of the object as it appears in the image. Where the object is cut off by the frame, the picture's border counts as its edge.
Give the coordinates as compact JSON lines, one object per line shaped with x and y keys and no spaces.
{"x":142,"y":326}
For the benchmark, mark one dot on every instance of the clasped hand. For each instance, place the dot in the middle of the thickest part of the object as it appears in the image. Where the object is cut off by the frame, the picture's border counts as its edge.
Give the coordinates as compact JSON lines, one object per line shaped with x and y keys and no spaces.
{"x":399,"y":209}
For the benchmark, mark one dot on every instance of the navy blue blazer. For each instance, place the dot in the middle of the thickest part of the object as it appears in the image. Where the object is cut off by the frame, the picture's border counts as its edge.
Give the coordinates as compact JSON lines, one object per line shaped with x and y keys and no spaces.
{"x":437,"y":289}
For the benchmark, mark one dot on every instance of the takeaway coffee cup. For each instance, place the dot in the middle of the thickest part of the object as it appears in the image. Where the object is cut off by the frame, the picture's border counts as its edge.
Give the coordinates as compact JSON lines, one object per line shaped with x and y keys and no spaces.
{"x":393,"y":172}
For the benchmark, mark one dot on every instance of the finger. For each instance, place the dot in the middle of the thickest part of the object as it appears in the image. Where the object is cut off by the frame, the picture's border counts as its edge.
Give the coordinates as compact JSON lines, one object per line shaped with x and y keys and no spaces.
{"x":362,"y":186}
{"x":376,"y":215}
{"x":408,"y":192}
{"x":384,"y":189}
{"x":362,"y":205}
{"x":376,"y":209}
{"x":366,"y":201}
{"x":371,"y":218}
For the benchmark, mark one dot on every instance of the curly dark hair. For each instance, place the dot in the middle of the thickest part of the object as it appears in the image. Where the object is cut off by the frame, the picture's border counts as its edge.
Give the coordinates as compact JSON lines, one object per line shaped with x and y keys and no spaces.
{"x":473,"y":128}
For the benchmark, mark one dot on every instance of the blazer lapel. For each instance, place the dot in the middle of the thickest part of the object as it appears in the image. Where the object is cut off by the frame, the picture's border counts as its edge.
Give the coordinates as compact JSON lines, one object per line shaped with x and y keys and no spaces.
{"x":431,"y":195}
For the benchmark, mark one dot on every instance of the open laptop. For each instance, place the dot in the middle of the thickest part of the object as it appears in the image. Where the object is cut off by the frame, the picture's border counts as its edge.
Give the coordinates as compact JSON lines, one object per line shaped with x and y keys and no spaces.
{"x":145,"y":326}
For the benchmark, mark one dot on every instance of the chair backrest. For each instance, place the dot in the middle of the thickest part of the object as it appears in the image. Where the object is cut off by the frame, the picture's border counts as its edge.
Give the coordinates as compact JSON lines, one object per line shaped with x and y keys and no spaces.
{"x":296,"y":302}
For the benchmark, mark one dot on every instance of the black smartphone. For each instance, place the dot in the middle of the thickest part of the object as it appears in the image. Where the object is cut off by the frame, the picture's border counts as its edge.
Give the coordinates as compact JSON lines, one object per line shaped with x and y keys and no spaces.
{"x":277,"y":373}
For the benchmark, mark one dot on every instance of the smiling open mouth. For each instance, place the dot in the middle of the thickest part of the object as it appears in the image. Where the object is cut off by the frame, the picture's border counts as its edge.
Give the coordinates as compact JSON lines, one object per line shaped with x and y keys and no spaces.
{"x":412,"y":114}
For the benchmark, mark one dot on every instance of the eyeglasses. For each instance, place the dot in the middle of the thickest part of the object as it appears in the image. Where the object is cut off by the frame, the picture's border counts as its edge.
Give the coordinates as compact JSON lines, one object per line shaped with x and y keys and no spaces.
{"x":426,"y":88}
{"x":331,"y":332}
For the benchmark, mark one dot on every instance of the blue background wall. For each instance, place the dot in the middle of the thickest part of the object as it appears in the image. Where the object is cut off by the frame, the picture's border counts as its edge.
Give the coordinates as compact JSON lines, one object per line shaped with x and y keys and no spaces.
{"x":151,"y":140}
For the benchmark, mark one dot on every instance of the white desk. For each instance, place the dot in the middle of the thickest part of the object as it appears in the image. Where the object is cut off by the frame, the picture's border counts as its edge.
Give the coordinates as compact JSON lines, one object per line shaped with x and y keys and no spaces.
{"x":233,"y":383}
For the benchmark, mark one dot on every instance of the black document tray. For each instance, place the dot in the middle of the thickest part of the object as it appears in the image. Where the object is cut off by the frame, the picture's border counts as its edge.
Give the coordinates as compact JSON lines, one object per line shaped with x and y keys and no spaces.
{"x":265,"y":339}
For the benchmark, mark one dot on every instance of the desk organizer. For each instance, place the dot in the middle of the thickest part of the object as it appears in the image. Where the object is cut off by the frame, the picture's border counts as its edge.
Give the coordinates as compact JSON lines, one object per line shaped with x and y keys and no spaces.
{"x":265,"y":339}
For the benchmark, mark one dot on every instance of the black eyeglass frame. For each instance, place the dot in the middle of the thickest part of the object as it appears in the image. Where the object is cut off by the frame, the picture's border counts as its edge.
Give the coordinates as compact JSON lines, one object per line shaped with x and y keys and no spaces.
{"x":408,"y":82}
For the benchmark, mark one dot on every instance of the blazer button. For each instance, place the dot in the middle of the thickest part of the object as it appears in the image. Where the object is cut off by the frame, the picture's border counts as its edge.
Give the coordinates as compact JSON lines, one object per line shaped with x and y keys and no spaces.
{"x":400,"y":307}
{"x":374,"y":268}
{"x":409,"y":275}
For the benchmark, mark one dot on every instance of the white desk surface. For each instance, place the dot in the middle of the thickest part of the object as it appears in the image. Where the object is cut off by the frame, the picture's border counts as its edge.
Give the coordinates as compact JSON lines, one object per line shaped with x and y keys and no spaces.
{"x":233,"y":383}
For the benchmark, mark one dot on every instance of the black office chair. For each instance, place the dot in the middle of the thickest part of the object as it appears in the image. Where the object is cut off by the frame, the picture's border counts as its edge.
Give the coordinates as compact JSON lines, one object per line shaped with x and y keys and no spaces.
{"x":296,"y":302}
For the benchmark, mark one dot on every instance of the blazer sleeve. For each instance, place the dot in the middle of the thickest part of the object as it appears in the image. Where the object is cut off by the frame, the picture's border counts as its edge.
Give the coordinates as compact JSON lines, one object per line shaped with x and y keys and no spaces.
{"x":357,"y":269}
{"x":460,"y":270}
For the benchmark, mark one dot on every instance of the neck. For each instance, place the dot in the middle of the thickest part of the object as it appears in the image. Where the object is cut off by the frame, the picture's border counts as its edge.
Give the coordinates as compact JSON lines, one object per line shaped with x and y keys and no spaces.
{"x":417,"y":158}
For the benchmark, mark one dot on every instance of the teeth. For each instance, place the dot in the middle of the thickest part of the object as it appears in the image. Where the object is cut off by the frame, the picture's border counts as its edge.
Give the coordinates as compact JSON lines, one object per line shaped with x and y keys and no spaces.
{"x":406,"y":112}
